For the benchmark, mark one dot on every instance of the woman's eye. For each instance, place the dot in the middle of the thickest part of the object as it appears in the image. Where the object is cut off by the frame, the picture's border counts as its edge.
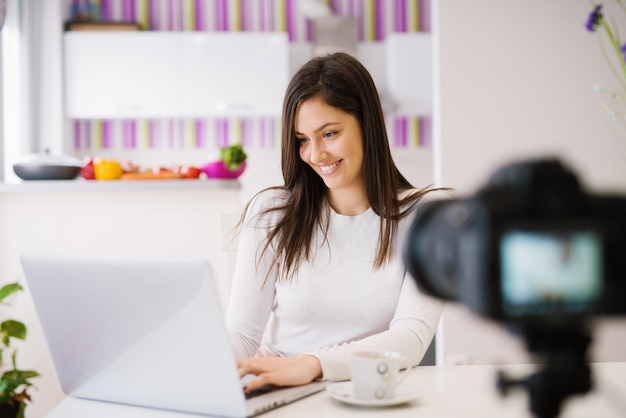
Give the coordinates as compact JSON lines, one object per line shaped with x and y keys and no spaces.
{"x":301,"y":139}
{"x":329,"y":134}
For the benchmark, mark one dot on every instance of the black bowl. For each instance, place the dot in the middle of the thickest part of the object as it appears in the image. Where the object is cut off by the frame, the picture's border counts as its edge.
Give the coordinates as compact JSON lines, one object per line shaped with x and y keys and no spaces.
{"x":46,"y":172}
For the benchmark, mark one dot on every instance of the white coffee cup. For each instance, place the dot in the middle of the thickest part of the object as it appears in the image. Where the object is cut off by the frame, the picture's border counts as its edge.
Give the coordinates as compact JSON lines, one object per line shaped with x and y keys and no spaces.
{"x":376,"y":374}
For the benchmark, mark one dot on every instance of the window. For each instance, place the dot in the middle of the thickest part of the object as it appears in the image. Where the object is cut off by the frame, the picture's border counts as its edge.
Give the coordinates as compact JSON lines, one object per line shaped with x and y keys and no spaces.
{"x":21,"y":47}
{"x":14,"y":126}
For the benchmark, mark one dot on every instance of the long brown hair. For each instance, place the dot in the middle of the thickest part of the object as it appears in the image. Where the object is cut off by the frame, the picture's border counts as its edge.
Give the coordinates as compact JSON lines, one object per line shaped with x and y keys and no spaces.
{"x":341,"y":81}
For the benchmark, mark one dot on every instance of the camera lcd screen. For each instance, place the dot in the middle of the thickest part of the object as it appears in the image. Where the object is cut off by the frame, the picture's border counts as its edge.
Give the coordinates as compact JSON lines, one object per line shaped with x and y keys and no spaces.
{"x":546,"y":272}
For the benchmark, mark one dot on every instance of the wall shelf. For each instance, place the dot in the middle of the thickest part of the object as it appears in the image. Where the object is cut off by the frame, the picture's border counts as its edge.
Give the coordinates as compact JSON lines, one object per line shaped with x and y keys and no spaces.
{"x":80,"y":185}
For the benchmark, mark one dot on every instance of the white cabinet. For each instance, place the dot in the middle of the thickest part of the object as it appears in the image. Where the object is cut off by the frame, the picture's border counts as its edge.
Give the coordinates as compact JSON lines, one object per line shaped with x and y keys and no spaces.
{"x":237,"y":74}
{"x":120,"y":75}
{"x":174,"y":74}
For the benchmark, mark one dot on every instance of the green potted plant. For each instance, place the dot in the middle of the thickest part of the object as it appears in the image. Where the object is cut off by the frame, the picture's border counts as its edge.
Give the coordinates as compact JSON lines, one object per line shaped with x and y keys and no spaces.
{"x":13,"y":381}
{"x":230,"y":164}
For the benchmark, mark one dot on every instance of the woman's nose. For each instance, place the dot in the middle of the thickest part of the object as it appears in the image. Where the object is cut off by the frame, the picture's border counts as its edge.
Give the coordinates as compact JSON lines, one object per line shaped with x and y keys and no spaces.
{"x":318,"y":151}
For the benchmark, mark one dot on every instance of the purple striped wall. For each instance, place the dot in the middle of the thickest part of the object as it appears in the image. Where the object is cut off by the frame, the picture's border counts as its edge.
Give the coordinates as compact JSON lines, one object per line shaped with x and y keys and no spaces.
{"x":375,"y":19}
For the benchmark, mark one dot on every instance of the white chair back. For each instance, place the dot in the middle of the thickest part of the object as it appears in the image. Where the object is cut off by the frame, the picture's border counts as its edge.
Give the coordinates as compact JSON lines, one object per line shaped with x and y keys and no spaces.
{"x":228,"y":241}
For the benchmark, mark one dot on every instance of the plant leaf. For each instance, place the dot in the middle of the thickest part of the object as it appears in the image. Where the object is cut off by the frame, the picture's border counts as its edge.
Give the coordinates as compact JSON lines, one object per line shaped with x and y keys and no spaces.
{"x":11,"y":380}
{"x":29,"y":374}
{"x":13,"y":328}
{"x":9,"y":289}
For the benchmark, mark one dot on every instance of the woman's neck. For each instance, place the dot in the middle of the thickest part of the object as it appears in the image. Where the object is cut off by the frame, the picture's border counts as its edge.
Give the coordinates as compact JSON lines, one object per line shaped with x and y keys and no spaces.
{"x":348,"y":203}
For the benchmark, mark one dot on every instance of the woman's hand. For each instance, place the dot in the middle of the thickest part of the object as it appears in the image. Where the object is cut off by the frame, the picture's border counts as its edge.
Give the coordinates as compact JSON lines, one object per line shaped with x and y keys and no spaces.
{"x":280,"y":371}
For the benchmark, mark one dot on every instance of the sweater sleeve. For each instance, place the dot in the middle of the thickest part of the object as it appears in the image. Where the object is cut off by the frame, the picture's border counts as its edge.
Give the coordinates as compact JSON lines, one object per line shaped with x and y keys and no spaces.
{"x":410,"y":332}
{"x":252,"y":296}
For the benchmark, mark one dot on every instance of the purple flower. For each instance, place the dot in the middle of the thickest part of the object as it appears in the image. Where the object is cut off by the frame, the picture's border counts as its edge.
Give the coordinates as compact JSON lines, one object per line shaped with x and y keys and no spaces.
{"x":623,"y":49}
{"x":594,"y":18}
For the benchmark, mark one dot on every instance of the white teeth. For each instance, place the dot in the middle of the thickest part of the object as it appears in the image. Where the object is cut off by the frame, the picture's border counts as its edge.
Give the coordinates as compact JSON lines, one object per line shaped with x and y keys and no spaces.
{"x":328,"y":168}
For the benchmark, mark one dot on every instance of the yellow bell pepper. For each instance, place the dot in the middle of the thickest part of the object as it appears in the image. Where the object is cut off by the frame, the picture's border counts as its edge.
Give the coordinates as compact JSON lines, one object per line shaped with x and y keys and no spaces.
{"x":107,"y":169}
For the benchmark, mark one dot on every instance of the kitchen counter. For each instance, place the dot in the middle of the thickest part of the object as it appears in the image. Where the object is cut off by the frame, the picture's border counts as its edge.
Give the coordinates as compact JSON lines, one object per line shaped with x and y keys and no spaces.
{"x":80,"y":185}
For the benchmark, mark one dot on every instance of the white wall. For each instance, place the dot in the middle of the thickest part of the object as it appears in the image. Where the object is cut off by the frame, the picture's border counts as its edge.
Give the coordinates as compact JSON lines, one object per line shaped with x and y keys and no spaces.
{"x":515,"y":80}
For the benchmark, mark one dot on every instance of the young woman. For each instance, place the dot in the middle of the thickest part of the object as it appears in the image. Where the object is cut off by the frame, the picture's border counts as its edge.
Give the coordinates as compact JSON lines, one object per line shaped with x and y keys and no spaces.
{"x":319,"y":271}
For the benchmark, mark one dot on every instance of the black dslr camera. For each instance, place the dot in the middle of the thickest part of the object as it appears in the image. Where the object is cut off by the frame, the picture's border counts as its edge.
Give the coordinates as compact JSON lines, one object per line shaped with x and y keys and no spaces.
{"x":535,"y":251}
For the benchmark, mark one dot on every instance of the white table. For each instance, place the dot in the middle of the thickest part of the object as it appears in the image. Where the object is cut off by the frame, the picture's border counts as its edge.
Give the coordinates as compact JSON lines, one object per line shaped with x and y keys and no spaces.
{"x":445,"y":392}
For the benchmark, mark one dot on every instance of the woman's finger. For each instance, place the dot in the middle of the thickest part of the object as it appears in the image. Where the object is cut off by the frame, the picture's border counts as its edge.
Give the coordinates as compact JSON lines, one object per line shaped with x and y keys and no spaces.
{"x":280,"y":371}
{"x":252,"y":366}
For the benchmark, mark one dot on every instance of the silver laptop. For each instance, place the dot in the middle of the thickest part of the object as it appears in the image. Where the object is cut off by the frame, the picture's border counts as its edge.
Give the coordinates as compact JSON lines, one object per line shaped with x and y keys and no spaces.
{"x":143,"y":331}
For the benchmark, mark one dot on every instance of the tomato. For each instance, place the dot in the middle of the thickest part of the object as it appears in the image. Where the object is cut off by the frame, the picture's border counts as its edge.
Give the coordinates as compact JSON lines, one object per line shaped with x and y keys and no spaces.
{"x":190,"y":172}
{"x":87,"y":171}
{"x":187,"y":171}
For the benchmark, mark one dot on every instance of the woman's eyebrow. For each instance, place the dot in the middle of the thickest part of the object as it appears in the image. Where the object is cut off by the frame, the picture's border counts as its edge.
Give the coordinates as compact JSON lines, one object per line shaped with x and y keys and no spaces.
{"x":322,"y":127}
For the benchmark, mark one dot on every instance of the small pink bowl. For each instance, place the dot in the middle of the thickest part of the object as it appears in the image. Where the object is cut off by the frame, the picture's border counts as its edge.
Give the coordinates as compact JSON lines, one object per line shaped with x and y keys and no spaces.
{"x":217,"y":170}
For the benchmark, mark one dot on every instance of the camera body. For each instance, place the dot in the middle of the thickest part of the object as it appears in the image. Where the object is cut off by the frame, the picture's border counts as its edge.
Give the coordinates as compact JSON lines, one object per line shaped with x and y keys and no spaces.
{"x":530,"y":248}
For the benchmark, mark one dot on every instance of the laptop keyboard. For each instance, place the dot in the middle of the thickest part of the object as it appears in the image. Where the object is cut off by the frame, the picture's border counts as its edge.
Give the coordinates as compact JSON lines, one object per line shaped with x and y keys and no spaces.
{"x":260,"y":391}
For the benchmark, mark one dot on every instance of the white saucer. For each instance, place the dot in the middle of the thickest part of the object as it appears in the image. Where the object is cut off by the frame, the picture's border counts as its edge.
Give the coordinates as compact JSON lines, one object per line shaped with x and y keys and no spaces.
{"x":342,"y":391}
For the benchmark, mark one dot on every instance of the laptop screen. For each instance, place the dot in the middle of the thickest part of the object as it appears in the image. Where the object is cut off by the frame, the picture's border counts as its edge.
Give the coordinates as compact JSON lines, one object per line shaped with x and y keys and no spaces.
{"x":136,"y":330}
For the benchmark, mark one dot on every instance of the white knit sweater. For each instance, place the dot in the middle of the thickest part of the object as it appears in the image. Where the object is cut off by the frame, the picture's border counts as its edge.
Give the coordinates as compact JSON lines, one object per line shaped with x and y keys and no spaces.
{"x":337,"y":303}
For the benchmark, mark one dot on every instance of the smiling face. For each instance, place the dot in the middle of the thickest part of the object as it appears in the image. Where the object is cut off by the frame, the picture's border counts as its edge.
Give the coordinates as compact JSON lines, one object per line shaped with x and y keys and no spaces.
{"x":331,"y":142}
